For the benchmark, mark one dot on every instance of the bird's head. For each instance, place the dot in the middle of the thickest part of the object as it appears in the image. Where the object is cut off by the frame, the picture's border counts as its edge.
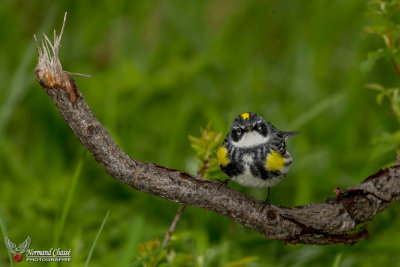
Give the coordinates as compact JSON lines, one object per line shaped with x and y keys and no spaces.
{"x":249,"y":129}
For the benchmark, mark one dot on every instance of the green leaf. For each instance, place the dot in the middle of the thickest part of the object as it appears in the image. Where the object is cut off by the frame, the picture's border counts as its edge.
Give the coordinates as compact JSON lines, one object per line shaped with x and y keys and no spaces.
{"x":375,"y":86}
{"x":205,"y":147}
{"x":372,"y":57}
{"x":379,"y":98}
{"x":149,"y":250}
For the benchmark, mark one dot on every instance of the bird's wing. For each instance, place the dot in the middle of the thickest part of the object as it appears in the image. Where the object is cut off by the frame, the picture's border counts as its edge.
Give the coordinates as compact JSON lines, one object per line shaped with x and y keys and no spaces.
{"x":282,"y":147}
{"x":24,"y":246}
{"x":10,"y":245}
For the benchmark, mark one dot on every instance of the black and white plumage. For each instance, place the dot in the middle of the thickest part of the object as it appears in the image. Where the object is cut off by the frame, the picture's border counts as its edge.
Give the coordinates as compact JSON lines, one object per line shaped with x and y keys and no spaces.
{"x":254,"y":152}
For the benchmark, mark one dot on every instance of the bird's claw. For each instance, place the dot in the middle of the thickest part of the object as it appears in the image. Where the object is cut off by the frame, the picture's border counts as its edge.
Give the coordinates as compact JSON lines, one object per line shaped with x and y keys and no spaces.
{"x":223,"y":182}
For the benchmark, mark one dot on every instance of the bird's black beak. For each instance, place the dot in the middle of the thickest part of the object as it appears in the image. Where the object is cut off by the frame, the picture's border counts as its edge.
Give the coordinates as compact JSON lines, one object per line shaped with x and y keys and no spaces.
{"x":248,"y":128}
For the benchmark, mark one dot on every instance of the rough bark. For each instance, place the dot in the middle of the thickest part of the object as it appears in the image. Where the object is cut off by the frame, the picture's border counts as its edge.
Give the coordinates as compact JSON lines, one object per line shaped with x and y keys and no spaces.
{"x":335,"y":221}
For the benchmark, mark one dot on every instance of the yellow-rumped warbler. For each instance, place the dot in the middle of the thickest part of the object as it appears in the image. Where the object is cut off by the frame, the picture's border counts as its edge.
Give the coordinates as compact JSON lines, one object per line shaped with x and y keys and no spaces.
{"x":254,"y":152}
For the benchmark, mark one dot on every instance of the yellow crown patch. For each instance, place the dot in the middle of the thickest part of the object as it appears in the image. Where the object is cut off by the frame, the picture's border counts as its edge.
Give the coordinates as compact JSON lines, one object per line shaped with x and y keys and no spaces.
{"x":245,"y":116}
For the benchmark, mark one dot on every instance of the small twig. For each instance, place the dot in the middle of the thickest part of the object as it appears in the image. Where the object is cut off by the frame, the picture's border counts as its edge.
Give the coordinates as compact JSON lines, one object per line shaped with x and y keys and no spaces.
{"x":203,"y":169}
{"x":396,"y":66}
{"x":173,"y":225}
{"x":178,"y":214}
{"x":390,"y":45}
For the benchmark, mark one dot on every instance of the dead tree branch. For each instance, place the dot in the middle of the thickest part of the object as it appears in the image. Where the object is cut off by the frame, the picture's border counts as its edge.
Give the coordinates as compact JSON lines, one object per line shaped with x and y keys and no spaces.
{"x":316,"y":223}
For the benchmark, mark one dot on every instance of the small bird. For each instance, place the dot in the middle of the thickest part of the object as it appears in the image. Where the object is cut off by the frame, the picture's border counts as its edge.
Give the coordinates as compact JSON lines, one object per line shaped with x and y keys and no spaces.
{"x":254,"y":152}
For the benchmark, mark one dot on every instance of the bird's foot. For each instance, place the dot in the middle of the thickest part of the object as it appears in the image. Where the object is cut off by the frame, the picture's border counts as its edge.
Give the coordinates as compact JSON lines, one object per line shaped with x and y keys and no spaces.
{"x":267,"y":204}
{"x":223,"y":182}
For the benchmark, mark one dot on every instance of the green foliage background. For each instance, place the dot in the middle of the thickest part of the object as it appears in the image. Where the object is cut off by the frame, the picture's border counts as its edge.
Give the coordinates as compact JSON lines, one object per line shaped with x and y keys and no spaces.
{"x":162,"y":70}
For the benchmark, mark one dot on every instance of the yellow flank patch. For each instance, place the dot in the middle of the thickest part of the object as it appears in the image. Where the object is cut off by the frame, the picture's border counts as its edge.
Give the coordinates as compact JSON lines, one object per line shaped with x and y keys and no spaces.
{"x":245,"y":116}
{"x":274,"y":161}
{"x":222,"y":156}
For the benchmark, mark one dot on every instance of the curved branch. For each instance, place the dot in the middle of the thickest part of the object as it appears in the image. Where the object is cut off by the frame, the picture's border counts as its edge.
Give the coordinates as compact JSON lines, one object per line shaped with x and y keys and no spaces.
{"x":316,"y":223}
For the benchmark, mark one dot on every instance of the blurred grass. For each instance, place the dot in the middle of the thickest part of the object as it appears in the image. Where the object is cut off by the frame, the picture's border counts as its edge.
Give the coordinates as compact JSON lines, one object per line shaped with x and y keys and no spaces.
{"x":60,"y":227}
{"x":22,"y":77}
{"x":95,"y":240}
{"x":145,"y":258}
{"x":129,"y":253}
{"x":338,"y":258}
{"x":5,"y":235}
{"x":161,"y":71}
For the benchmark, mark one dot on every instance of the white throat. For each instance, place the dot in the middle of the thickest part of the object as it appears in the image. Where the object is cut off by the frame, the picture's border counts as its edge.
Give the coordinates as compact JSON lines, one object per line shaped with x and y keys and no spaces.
{"x":250,"y":139}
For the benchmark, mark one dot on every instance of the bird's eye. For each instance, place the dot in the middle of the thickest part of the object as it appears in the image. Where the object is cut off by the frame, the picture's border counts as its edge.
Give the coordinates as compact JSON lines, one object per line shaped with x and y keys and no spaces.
{"x":258,"y":125}
{"x":238,"y":131}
